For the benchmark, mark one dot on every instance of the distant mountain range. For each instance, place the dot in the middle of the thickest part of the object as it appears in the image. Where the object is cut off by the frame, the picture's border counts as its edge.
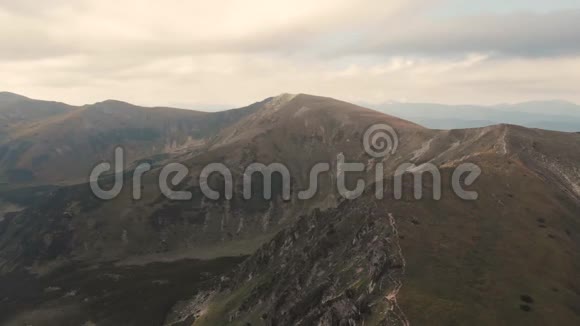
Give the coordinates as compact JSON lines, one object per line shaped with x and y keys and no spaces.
{"x":549,"y":115}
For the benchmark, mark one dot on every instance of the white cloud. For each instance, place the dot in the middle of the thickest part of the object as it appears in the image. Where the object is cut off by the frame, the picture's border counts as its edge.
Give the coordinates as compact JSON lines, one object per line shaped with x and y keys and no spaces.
{"x":236,"y":52}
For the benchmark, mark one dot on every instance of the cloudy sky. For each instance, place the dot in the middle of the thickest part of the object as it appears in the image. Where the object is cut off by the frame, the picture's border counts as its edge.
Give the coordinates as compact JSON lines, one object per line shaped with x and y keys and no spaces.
{"x":234,"y":52}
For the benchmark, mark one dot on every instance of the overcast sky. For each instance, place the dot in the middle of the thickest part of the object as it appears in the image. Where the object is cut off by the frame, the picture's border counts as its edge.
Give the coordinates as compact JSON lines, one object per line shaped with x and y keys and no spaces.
{"x":234,"y":52}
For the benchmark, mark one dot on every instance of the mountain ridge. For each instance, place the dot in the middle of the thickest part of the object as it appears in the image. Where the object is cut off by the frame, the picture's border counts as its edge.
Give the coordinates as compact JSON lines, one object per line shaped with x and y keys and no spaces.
{"x":468,"y":259}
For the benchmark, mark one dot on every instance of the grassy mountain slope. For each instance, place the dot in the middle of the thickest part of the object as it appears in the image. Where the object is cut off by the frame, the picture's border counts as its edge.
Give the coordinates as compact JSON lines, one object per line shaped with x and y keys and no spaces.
{"x":63,"y":147}
{"x":509,"y":258}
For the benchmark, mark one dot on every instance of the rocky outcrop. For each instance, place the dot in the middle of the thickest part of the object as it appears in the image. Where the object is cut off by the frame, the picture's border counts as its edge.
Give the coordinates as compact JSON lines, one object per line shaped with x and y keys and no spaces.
{"x":339,"y":267}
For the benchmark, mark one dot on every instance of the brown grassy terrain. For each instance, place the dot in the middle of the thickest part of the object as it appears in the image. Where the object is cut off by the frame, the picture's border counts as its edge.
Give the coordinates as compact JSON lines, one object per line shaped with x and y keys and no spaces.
{"x":509,"y":258}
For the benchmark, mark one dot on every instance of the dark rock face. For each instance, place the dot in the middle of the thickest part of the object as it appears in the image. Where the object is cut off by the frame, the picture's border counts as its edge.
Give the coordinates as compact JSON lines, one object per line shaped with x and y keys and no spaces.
{"x":340,"y":267}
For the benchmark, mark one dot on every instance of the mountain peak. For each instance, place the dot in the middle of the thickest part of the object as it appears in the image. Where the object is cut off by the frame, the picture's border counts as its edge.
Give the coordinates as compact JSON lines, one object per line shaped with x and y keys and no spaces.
{"x":112,"y":102}
{"x":111,"y":105}
{"x":282,"y":99}
{"x":7,"y":96}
